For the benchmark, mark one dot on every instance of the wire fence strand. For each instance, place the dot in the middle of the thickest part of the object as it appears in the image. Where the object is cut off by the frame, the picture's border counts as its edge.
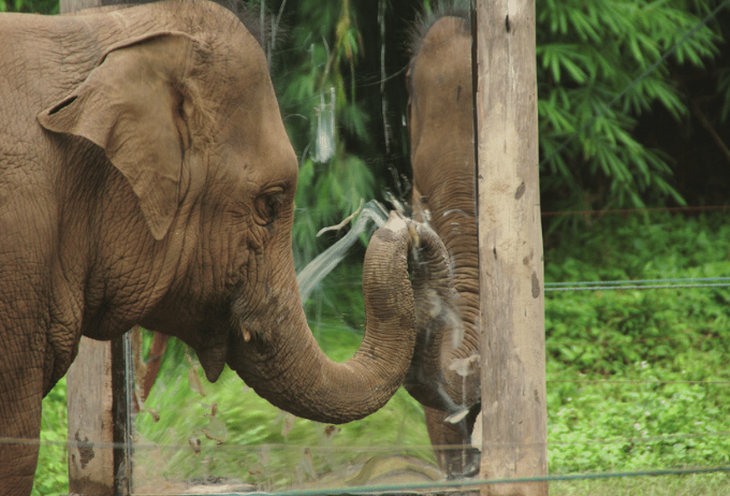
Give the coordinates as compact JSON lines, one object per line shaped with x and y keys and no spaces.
{"x":698,"y":282}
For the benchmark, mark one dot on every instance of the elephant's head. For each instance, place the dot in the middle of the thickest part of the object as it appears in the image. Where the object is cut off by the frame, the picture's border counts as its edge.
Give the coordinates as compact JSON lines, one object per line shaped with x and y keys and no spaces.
{"x":200,"y":246}
{"x":445,"y":373}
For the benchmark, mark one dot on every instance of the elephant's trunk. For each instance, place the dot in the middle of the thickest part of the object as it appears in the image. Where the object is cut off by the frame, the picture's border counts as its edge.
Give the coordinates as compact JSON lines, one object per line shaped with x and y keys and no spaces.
{"x":444,"y":374}
{"x":290,"y":370}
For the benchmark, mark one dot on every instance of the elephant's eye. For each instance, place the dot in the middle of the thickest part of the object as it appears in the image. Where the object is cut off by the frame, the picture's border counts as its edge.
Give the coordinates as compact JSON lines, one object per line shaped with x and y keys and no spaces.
{"x":268,"y":206}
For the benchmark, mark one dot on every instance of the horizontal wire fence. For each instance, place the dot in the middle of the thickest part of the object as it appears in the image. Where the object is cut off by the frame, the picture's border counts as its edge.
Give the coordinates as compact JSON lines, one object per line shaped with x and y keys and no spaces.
{"x":698,"y":282}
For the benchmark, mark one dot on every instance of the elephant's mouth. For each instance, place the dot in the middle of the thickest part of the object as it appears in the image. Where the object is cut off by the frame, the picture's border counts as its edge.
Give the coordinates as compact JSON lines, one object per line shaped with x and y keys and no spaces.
{"x":464,"y":462}
{"x":220,"y":340}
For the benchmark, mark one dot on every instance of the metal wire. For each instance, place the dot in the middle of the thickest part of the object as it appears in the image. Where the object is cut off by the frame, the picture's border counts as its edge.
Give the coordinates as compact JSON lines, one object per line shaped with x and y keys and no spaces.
{"x":602,"y":342}
{"x":701,"y":208}
{"x":319,"y":450}
{"x":697,"y":282}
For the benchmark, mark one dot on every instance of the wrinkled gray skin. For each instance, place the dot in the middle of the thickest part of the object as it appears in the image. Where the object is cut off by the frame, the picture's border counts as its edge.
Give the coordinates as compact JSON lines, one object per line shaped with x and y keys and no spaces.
{"x":445,"y":375}
{"x":146,"y":178}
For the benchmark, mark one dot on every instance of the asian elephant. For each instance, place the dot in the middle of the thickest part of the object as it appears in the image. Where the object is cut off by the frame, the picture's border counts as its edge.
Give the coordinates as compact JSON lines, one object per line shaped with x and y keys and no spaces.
{"x":445,"y":373}
{"x":146,"y":178}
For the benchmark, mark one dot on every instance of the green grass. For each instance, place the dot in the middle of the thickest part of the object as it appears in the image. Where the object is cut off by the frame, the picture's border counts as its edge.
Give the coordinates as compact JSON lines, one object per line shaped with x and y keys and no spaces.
{"x":683,"y":485}
{"x":595,"y":342}
{"x":648,"y":335}
{"x":52,"y":474}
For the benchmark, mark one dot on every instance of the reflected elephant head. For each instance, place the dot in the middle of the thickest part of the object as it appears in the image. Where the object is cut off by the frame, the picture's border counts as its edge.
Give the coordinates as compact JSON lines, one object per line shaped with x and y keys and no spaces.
{"x":445,"y":373}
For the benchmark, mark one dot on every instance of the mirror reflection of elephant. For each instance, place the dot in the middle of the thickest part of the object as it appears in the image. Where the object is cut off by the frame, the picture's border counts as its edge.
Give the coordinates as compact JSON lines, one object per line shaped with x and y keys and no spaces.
{"x":445,"y":374}
{"x":146,"y":178}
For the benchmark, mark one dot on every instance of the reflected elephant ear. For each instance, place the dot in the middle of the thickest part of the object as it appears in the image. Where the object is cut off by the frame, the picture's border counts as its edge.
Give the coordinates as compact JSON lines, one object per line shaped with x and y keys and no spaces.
{"x":131,"y":105}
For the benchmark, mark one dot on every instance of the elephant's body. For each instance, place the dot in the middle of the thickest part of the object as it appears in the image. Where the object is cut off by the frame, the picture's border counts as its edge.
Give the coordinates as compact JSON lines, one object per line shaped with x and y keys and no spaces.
{"x":146,"y":178}
{"x":445,"y":373}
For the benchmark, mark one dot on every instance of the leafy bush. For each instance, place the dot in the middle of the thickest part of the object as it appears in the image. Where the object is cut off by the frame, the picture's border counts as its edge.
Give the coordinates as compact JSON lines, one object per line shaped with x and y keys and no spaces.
{"x":649,"y":335}
{"x":32,"y":6}
{"x":602,"y":65}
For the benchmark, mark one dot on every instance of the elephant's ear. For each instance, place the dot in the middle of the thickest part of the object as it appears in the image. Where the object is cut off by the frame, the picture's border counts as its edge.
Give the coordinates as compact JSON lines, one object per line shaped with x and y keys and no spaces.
{"x":131,"y":105}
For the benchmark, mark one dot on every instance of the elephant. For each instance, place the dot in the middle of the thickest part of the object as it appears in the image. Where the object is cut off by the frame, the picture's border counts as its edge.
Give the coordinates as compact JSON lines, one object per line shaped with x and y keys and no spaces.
{"x":146,"y":178}
{"x":445,"y":373}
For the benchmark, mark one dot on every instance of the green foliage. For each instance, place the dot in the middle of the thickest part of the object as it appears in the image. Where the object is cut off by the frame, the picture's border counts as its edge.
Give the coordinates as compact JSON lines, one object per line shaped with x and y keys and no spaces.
{"x":600,"y":53}
{"x":603,"y":66}
{"x":52,"y":471}
{"x":677,"y":485}
{"x":639,"y":335}
{"x":30,"y":6}
{"x":314,"y":69}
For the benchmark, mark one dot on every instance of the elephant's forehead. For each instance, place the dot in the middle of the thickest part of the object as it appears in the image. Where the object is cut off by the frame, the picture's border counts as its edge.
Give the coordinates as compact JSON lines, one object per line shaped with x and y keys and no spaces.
{"x":447,"y":40}
{"x":444,"y":59}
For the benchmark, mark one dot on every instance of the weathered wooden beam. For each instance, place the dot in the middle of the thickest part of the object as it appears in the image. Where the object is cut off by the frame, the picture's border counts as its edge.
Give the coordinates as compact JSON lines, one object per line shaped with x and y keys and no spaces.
{"x":514,"y":430}
{"x":90,"y":420}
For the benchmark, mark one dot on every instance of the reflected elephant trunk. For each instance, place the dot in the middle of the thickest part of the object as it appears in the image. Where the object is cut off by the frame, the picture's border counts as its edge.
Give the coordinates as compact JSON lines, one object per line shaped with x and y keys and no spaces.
{"x":445,"y":368}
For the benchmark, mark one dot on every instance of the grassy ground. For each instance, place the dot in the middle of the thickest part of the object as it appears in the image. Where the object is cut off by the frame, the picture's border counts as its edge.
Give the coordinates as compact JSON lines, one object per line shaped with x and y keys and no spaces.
{"x":659,"y":357}
{"x":685,"y":485}
{"x":637,"y":380}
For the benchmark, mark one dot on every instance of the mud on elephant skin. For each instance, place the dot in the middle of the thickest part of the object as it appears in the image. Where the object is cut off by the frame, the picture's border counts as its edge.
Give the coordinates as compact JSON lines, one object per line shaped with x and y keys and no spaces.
{"x":445,"y":373}
{"x":146,"y":178}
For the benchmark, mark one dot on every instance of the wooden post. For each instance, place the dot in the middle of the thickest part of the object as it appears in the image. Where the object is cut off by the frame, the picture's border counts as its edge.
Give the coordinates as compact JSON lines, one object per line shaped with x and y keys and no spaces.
{"x":90,"y":420}
{"x":97,"y":396}
{"x":514,"y":429}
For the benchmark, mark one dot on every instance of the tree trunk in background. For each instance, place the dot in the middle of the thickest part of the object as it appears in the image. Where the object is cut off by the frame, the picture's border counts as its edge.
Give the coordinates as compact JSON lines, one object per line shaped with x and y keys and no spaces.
{"x":514,"y":442}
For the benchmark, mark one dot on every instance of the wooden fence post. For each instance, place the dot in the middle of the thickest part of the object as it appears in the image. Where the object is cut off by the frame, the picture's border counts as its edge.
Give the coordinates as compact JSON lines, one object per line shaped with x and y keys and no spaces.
{"x":514,"y":430}
{"x":90,"y":420}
